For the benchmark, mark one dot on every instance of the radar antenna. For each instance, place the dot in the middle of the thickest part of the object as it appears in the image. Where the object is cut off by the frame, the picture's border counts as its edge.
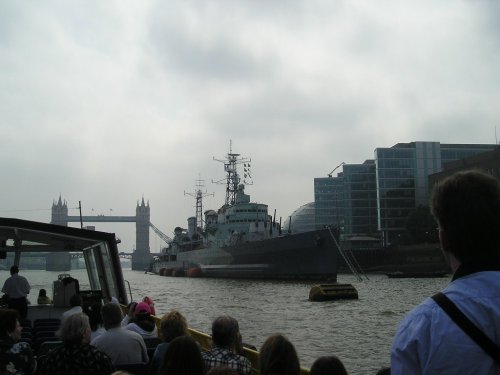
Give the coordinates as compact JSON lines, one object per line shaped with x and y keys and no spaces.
{"x":199,"y":194}
{"x":232,"y":179}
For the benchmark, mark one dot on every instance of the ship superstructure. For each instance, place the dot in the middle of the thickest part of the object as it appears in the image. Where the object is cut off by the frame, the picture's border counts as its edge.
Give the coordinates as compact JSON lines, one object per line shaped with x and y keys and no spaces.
{"x":241,"y":239}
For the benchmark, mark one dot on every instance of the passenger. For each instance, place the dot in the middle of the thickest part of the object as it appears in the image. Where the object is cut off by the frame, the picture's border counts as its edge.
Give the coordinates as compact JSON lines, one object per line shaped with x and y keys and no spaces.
{"x":183,"y":357}
{"x":76,"y":306}
{"x":142,"y":322}
{"x":93,"y":311}
{"x":130,"y":314}
{"x":172,"y":325}
{"x":17,"y":288}
{"x":466,"y":206}
{"x":75,"y":356}
{"x":328,"y":365}
{"x":42,"y":298}
{"x":151,"y":304}
{"x":226,"y":346}
{"x":15,"y":357}
{"x":278,"y":356}
{"x":123,"y":346}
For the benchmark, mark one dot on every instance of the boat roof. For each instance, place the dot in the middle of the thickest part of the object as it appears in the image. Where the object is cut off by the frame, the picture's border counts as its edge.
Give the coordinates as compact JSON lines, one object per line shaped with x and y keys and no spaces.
{"x":24,"y":236}
{"x":33,"y":236}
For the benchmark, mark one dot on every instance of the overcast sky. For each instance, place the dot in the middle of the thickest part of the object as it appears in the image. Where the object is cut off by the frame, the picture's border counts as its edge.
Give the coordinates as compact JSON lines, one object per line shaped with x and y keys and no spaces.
{"x":106,"y":102}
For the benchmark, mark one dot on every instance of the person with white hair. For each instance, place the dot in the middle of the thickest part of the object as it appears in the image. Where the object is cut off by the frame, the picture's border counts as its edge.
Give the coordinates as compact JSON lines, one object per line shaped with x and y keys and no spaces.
{"x":76,"y":356}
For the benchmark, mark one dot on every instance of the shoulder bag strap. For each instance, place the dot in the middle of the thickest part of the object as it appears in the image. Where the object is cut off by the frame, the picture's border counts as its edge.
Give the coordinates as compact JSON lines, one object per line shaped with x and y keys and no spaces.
{"x":467,"y":326}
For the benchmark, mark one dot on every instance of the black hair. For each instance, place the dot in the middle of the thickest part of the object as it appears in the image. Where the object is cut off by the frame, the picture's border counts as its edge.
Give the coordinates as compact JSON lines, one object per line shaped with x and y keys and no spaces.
{"x":225,"y":331}
{"x":8,"y":321}
{"x":466,"y":206}
{"x":75,"y":300}
{"x":111,"y":315}
{"x":183,"y":357}
{"x":328,"y":365}
{"x":278,"y":356}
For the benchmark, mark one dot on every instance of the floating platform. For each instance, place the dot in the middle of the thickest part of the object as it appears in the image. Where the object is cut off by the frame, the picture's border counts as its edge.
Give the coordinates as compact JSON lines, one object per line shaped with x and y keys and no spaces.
{"x":329,"y":292}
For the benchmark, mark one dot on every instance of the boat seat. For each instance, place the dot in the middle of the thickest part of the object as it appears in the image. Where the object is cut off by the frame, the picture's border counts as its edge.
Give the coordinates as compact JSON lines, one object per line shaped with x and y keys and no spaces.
{"x":151,"y":352}
{"x":26,"y":334}
{"x":38,"y":341}
{"x":44,"y":334}
{"x":39,"y":329}
{"x":27,"y":340}
{"x":25,"y":323}
{"x":46,"y":346}
{"x":152,"y":342}
{"x":46,"y":322}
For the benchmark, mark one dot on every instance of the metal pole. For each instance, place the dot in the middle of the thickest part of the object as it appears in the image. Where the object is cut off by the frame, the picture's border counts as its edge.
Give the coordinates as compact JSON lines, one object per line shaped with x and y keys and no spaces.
{"x":80,"y":207}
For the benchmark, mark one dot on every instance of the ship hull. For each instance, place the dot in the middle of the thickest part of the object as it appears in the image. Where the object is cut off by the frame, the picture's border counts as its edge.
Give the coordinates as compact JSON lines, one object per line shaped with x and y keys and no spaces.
{"x":309,"y":256}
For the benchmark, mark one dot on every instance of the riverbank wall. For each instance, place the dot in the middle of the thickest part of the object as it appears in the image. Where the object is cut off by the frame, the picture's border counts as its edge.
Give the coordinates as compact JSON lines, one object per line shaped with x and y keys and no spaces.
{"x":414,"y":258}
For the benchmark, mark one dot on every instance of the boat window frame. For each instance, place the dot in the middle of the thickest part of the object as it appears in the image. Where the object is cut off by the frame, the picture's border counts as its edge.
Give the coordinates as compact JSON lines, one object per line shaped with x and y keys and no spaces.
{"x":98,"y":258}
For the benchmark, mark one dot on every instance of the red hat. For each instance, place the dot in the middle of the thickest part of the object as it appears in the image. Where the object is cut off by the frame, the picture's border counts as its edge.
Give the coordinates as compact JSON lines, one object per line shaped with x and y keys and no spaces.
{"x":142,"y":308}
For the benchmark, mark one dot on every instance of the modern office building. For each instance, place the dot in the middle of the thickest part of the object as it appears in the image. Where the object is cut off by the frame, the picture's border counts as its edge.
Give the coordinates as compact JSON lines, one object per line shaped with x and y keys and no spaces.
{"x":348,"y":200}
{"x":329,"y":201}
{"x":488,"y":162}
{"x":403,"y":179}
{"x":378,"y":195}
{"x":360,"y":199}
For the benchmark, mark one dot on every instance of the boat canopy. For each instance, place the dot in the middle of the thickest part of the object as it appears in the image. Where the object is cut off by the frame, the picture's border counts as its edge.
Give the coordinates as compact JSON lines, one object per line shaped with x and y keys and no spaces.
{"x":59,"y":244}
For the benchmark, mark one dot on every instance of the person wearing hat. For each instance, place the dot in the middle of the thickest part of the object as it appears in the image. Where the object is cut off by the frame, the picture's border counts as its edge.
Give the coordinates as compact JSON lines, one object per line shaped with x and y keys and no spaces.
{"x":142,"y":322}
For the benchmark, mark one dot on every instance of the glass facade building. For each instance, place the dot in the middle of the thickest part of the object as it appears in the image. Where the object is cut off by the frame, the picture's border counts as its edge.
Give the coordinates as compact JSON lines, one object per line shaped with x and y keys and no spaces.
{"x":378,"y":195}
{"x":403,"y":179}
{"x":329,"y":201}
{"x":348,"y":200}
{"x":360,"y":199}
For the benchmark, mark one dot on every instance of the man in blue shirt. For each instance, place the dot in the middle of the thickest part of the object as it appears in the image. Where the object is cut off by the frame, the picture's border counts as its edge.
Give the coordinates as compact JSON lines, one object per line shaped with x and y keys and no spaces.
{"x":467,"y":209}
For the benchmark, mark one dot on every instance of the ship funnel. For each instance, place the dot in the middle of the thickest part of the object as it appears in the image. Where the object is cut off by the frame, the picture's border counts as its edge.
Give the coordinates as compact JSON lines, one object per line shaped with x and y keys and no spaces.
{"x":191,"y":226}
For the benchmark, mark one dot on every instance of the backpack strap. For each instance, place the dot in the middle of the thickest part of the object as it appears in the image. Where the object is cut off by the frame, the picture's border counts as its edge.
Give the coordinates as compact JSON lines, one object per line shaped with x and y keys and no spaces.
{"x":468,"y":326}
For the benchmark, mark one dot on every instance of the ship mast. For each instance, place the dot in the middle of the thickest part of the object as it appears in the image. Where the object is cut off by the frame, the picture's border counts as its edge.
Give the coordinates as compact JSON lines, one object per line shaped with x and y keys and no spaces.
{"x":199,"y":194}
{"x":232,"y":179}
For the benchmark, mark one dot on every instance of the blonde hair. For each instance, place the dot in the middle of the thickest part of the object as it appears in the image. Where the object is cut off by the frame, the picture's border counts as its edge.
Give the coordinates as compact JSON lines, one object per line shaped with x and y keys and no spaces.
{"x":172,"y":325}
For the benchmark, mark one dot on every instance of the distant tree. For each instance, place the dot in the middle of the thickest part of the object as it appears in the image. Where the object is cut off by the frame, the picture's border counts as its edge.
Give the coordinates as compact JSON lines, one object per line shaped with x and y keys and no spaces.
{"x":421,"y":226}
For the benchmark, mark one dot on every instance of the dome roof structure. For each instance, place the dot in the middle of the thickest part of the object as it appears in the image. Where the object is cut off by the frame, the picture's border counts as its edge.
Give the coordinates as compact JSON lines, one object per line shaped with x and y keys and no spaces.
{"x":303,"y":219}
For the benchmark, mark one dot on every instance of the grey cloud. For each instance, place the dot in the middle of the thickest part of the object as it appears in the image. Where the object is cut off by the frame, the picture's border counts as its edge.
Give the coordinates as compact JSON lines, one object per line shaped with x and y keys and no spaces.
{"x":181,"y":52}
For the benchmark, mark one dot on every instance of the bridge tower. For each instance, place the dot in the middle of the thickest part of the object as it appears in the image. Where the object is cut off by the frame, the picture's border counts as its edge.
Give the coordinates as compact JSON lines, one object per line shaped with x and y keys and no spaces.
{"x":141,"y":257}
{"x":59,"y":261}
{"x":60,"y":212}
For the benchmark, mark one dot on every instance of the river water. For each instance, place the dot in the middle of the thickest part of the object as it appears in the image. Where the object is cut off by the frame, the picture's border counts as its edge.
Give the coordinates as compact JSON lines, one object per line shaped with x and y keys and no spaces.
{"x":359,"y":331}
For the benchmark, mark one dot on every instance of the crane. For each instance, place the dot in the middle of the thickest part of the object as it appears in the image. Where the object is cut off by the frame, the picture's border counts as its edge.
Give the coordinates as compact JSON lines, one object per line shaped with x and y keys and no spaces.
{"x":160,"y":234}
{"x":334,"y":169}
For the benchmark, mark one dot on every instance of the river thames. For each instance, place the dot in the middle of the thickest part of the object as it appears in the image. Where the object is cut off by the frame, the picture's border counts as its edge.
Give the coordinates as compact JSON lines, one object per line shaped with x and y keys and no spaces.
{"x":359,"y":331}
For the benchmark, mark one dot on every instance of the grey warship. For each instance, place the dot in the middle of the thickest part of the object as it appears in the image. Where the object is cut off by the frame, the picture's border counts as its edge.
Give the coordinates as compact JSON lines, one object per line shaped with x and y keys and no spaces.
{"x":242,"y":240}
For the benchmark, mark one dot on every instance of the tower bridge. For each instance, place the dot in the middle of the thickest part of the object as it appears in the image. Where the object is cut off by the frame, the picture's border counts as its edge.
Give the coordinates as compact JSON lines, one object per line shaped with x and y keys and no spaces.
{"x":141,"y":256}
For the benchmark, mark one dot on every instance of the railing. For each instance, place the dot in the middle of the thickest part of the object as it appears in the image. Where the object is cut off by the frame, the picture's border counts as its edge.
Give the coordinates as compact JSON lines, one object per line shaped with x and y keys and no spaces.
{"x":205,"y":342}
